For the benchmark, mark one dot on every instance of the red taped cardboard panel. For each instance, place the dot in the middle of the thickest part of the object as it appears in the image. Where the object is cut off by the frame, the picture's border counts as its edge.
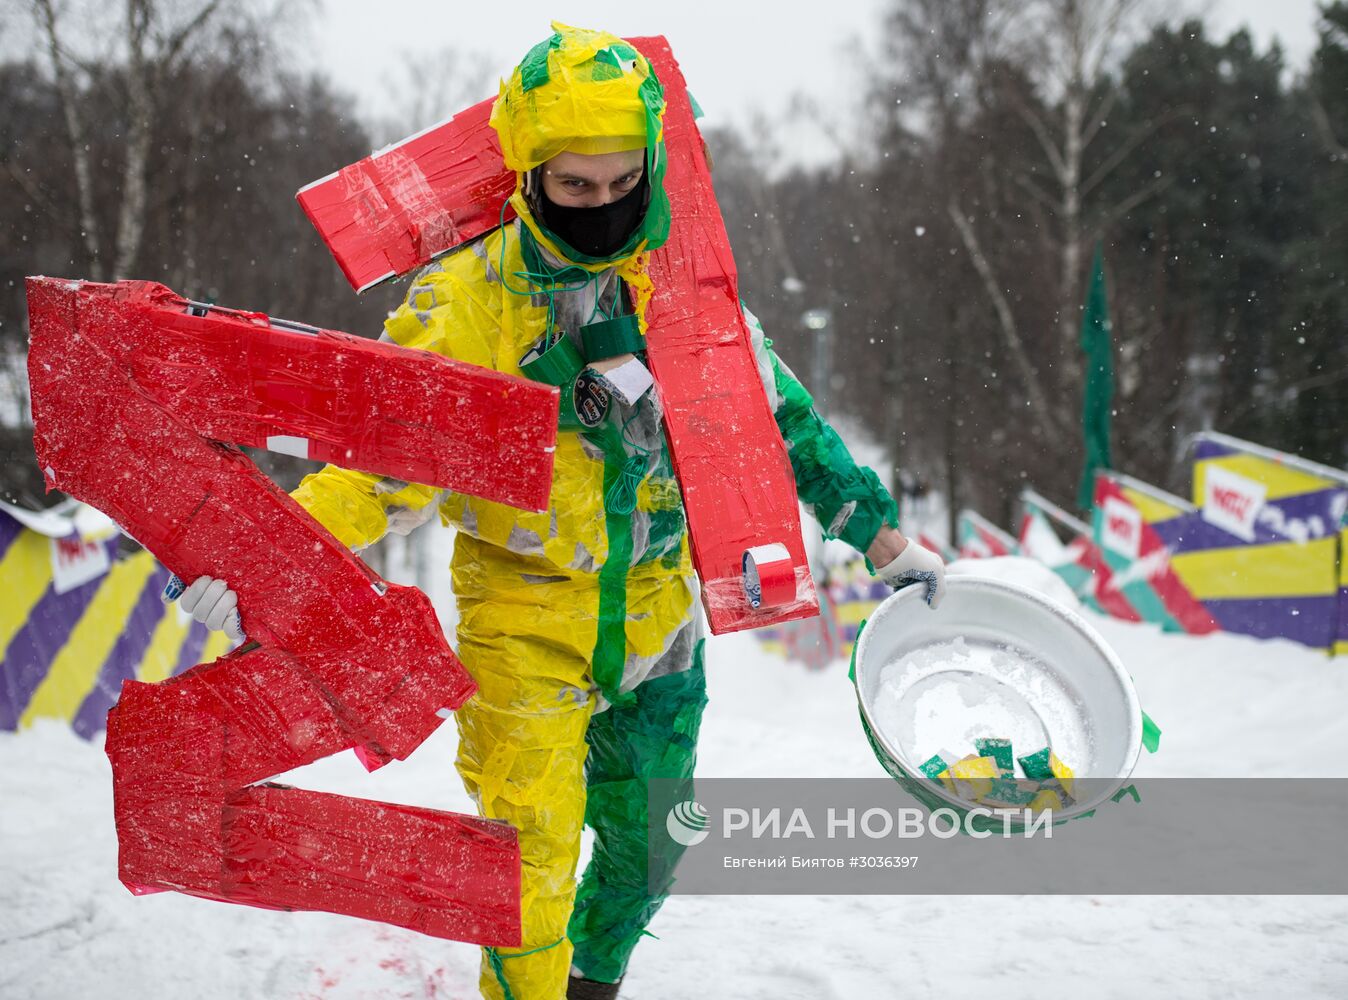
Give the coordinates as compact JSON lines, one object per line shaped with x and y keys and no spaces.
{"x":396,"y":864}
{"x":406,"y":205}
{"x":341,"y":660}
{"x":168,"y":789}
{"x":329,"y":396}
{"x":732,"y":466}
{"x":443,"y":874}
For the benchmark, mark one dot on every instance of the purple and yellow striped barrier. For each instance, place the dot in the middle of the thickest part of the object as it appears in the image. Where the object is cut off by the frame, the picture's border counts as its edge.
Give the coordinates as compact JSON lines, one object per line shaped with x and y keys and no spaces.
{"x":1257,"y":552}
{"x":76,"y":621}
{"x":1341,"y":634}
{"x":854,"y":594}
{"x":1139,"y":532}
{"x":1268,"y":557}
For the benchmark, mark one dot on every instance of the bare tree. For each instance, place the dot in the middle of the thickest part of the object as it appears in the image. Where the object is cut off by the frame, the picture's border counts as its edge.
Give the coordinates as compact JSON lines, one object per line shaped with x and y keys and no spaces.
{"x":1040,"y":409}
{"x":1333,"y":29}
{"x":462,"y":78}
{"x":67,"y":88}
{"x":158,"y":35}
{"x":1078,"y":42}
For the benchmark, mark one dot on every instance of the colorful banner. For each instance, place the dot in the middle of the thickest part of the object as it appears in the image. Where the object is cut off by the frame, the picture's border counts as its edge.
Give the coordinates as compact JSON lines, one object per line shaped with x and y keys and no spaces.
{"x":1290,"y":513}
{"x":1262,"y":550}
{"x":854,"y":594}
{"x":815,"y":642}
{"x":931,"y":542}
{"x":1258,"y":556}
{"x":1138,"y":531}
{"x":1079,"y":561}
{"x":1341,"y":636}
{"x":978,"y":538}
{"x":77,"y":621}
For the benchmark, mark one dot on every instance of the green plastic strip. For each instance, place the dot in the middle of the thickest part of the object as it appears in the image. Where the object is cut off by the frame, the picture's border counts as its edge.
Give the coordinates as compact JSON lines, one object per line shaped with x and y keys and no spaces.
{"x":1126,"y":791}
{"x":560,"y":364}
{"x":496,"y":960}
{"x":611,"y":337}
{"x":1151,"y":734}
{"x":610,"y":648}
{"x":629,"y":874}
{"x":556,"y":364}
{"x":852,"y":669}
{"x":534,"y":69}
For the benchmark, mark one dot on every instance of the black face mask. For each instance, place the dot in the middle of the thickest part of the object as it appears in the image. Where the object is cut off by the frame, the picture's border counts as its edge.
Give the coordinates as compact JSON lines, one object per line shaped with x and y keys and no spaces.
{"x":600,"y":231}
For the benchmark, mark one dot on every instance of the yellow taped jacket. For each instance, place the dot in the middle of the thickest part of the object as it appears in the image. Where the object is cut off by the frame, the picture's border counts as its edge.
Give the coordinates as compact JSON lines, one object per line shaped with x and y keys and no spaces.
{"x":460,"y":307}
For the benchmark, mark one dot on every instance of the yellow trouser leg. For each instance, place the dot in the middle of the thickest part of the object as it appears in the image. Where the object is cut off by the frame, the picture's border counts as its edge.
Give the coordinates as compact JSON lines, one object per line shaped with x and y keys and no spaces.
{"x":521,"y":756}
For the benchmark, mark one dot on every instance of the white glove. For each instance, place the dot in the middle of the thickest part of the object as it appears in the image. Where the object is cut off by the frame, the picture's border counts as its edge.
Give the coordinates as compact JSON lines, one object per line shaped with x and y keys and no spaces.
{"x":916,"y":564}
{"x":210,"y":602}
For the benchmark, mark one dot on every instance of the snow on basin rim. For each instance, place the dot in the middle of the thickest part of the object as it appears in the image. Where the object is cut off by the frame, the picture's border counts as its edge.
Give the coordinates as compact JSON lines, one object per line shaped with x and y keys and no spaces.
{"x":989,"y":605}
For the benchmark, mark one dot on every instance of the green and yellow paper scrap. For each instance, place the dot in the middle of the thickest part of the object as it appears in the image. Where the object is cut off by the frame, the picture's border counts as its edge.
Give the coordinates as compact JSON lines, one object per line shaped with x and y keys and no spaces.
{"x":988,"y":777}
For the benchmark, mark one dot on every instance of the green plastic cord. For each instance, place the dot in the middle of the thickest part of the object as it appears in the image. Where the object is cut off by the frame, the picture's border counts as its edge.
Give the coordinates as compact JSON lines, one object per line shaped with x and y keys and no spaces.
{"x":610,"y":647}
{"x":621,"y":495}
{"x":568,"y":279}
{"x":496,"y":960}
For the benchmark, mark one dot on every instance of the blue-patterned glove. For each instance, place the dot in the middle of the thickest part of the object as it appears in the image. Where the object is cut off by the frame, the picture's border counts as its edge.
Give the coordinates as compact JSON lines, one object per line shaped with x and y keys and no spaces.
{"x":916,"y":564}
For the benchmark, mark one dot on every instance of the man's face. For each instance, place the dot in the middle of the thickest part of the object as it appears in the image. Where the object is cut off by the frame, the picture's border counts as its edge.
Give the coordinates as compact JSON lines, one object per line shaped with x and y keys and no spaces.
{"x":579,"y":180}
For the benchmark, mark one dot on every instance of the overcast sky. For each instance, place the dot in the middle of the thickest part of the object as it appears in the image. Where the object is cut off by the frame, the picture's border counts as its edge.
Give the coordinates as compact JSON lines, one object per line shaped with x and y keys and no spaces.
{"x":736,"y":55}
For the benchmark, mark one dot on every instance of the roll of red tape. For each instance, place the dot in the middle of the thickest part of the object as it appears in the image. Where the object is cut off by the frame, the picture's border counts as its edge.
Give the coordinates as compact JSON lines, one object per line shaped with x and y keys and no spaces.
{"x":769,"y":576}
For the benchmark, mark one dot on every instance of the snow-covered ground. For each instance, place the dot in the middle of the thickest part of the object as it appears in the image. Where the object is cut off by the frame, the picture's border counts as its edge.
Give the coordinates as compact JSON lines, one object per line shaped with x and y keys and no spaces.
{"x":1227,"y":706}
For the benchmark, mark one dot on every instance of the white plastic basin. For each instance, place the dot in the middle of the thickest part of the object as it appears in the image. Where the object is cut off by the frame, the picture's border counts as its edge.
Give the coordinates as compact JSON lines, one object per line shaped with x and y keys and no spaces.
{"x":1029,"y":656}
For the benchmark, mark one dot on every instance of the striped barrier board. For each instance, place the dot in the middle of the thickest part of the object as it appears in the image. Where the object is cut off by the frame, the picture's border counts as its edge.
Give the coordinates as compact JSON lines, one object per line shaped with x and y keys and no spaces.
{"x":77,"y":622}
{"x":1341,"y":632}
{"x":815,"y":642}
{"x":932,"y":543}
{"x":1229,"y":565}
{"x":1268,"y":557}
{"x":1138,"y":558}
{"x":979,"y":538}
{"x":1079,"y":561}
{"x":854,"y":594}
{"x":1136,"y":528}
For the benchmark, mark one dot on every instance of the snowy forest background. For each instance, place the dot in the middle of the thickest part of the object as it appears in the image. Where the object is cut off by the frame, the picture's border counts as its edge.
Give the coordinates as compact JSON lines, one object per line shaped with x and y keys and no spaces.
{"x":1005,"y":140}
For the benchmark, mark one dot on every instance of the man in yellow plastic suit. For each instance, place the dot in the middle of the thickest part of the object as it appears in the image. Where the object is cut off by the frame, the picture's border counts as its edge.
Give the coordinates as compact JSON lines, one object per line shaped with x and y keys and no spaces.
{"x":579,"y":624}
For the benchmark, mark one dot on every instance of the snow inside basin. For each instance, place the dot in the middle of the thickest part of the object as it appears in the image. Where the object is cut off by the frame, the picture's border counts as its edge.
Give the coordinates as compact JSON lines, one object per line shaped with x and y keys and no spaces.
{"x":996,"y":660}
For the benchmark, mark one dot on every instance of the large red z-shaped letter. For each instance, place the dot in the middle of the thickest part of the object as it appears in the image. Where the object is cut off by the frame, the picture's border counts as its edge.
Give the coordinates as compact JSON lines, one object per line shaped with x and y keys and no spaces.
{"x":132,"y":389}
